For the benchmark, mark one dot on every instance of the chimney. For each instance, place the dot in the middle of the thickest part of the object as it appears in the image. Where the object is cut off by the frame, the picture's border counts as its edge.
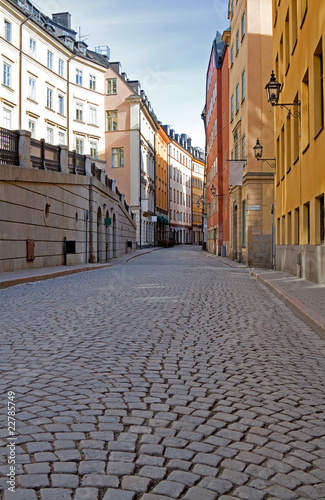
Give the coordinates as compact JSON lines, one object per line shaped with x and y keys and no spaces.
{"x":63,"y":19}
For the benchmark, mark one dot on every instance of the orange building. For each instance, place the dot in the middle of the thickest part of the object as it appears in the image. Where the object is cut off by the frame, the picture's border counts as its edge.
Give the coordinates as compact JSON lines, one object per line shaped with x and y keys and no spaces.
{"x":162,"y":141}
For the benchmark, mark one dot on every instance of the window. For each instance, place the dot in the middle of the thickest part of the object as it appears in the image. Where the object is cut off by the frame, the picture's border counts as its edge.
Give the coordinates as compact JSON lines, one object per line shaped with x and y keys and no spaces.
{"x":50,"y":135}
{"x":92,"y":115}
{"x":49,"y":59}
{"x":117,"y":157}
{"x":7,"y":118}
{"x":286,"y":44}
{"x":61,"y":104}
{"x":7,"y":74}
{"x":237,"y":97}
{"x":303,"y":10}
{"x":7,"y":29}
{"x":237,"y":42}
{"x":92,"y":82}
{"x":111,"y":85}
{"x":318,"y":89}
{"x":232,"y":55}
{"x":79,"y":111}
{"x":79,"y":146}
{"x":243,"y":85}
{"x":61,"y":67}
{"x":78,"y":76}
{"x":232,"y":108}
{"x":243,"y":147}
{"x":93,"y":149}
{"x":294,"y":22}
{"x":111,"y":121}
{"x":32,"y":89}
{"x":49,"y":98}
{"x":32,"y":128}
{"x":32,"y":48}
{"x":232,"y":8}
{"x":243,"y":26}
{"x":61,"y":138}
{"x":296,"y":127}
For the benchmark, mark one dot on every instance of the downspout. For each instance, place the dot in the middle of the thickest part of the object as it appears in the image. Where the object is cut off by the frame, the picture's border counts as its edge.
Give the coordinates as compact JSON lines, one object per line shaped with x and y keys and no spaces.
{"x":140,"y":162}
{"x":20,"y":66}
{"x":91,"y":243}
{"x":68,"y":99}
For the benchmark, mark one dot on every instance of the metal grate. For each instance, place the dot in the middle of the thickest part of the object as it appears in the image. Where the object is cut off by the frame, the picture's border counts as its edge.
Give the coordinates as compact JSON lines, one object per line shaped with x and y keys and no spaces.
{"x":9,"y":147}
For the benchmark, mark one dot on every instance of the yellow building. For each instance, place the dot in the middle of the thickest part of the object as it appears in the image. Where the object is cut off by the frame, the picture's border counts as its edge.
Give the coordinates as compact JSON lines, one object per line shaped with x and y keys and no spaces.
{"x":251,"y":197}
{"x":162,"y":141}
{"x":198,"y":171}
{"x":298,"y":48}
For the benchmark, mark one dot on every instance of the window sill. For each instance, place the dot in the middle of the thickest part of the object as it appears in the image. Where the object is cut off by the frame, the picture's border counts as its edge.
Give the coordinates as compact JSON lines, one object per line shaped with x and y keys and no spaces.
{"x":296,"y":160}
{"x":32,"y":100}
{"x":304,"y":150}
{"x":50,"y":109}
{"x":80,"y":121}
{"x":93,"y":125}
{"x":318,"y":133}
{"x":289,"y":169}
{"x":60,"y":114}
{"x":7,"y":87}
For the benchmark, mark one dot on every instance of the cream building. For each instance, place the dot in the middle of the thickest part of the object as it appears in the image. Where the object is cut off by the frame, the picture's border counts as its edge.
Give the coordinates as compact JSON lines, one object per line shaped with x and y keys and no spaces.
{"x":52,"y":85}
{"x":250,"y":43}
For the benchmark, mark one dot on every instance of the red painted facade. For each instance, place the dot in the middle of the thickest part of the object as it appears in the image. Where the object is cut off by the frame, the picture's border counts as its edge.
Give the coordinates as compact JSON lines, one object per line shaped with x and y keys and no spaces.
{"x":217,"y":139}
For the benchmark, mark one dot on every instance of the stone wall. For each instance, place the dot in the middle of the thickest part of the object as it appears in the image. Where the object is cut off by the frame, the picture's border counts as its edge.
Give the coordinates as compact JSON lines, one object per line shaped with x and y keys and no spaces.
{"x":39,"y":209}
{"x":304,"y":261}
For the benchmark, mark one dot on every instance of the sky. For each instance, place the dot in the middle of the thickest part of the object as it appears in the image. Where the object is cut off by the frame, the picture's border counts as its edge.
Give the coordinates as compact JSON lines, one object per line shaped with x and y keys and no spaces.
{"x":165,"y":44}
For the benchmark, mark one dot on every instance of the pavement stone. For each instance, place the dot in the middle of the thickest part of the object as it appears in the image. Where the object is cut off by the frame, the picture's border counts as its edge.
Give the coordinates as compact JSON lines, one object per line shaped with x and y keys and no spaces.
{"x":216,"y":402}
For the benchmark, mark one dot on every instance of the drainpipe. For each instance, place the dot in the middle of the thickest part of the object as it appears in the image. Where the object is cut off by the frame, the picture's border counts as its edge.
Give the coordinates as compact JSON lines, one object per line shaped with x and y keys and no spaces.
{"x":140,"y":163}
{"x":20,"y":66}
{"x":91,"y":225}
{"x":68,"y":99}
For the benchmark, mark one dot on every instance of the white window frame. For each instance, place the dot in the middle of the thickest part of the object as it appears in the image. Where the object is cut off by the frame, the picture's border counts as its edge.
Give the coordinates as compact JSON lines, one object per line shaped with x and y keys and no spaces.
{"x":93,"y":115}
{"x":32,"y":128}
{"x":7,"y":74}
{"x":7,"y":30}
{"x":61,"y":104}
{"x":111,"y":86}
{"x":49,"y":98}
{"x":111,"y":120}
{"x":50,"y":60}
{"x":79,"y":111}
{"x":117,"y":157}
{"x":49,"y":135}
{"x":61,"y":138}
{"x":61,"y":67}
{"x":79,"y":76}
{"x":32,"y":88}
{"x":7,"y":118}
{"x":92,"y":82}
{"x":80,"y":145}
{"x":32,"y":48}
{"x":93,"y":149}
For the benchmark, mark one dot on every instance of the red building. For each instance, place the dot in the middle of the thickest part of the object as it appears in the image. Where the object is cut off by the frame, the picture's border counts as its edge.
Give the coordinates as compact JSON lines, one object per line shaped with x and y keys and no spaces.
{"x":217,"y":144}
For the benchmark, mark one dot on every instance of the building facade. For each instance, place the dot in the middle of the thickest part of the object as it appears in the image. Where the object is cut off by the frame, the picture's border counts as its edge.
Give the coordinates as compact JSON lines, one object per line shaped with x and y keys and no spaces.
{"x":52,"y":85}
{"x":251,"y":196}
{"x":131,"y":126}
{"x":217,"y":139}
{"x":298,"y":62}
{"x":162,"y":141}
{"x":198,"y":173}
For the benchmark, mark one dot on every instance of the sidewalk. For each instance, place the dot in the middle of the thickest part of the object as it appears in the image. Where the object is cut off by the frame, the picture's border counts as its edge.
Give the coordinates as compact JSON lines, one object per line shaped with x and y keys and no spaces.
{"x":305,"y":298}
{"x":12,"y":278}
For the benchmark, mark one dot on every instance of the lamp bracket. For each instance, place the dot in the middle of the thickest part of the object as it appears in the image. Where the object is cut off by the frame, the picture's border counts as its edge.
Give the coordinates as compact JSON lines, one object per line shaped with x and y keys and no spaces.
{"x":268,"y":160}
{"x":294,"y":114}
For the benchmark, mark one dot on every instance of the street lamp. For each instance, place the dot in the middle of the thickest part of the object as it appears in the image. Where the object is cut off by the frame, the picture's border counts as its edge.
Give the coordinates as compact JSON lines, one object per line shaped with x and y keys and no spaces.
{"x":273,"y":89}
{"x":214,"y":191}
{"x":258,"y":151}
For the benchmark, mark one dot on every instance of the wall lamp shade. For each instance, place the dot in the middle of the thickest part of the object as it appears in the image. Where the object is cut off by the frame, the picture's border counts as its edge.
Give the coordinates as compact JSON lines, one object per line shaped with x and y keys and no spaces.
{"x":273,"y":89}
{"x":258,"y":149}
{"x":213,"y":190}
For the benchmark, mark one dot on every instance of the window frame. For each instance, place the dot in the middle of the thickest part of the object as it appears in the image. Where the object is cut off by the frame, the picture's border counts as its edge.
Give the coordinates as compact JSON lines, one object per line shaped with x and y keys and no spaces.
{"x":112,"y":82}
{"x":118,"y":153}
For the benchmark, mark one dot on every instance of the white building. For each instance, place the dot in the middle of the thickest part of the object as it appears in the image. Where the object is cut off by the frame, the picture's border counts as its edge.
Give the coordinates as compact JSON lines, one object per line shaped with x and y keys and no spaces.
{"x":180,"y":199}
{"x":51,"y":84}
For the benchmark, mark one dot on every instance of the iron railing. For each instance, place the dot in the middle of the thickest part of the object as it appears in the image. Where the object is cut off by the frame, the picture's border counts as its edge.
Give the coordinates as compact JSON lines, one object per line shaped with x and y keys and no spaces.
{"x":9,"y":147}
{"x":77,"y":163}
{"x":44,"y":156}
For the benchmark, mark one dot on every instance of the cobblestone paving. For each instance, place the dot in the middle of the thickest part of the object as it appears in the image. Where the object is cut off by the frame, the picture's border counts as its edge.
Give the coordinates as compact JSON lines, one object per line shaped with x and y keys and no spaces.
{"x":172,"y":376}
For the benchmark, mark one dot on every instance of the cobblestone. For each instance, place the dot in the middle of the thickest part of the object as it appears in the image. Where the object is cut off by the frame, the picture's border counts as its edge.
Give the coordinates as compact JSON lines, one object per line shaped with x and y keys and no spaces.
{"x":212,"y":391}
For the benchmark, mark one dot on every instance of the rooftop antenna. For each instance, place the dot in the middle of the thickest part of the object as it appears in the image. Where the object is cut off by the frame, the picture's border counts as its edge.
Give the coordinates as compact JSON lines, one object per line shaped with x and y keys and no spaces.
{"x":82,"y":38}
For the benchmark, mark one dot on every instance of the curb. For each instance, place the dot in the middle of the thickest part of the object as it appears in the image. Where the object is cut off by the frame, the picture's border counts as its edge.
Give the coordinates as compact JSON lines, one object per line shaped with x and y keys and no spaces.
{"x":299,"y":308}
{"x":58,"y":274}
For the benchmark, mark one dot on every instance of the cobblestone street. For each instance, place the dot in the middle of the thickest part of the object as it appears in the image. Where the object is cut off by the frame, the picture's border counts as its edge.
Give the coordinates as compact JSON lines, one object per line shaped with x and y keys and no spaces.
{"x":170,"y":376}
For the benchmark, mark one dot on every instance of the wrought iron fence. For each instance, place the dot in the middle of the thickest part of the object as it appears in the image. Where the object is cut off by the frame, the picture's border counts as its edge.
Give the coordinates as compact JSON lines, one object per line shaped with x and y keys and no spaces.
{"x":9,"y":147}
{"x":44,"y":156}
{"x":77,"y":163}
